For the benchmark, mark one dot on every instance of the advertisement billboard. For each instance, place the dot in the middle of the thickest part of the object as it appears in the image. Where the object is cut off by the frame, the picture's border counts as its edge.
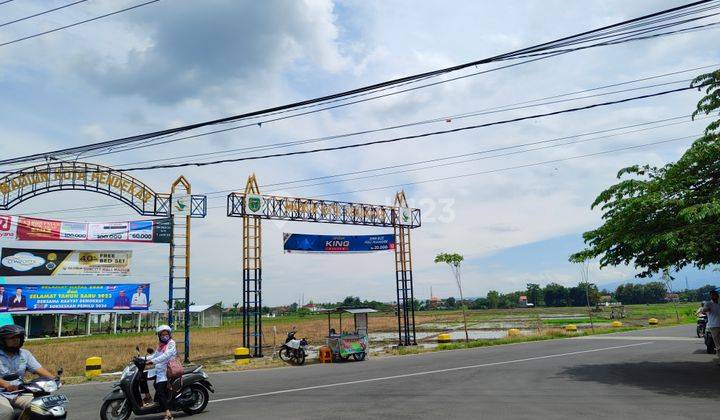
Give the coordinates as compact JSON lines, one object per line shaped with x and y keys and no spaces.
{"x":53,"y":262}
{"x":298,"y":242}
{"x":86,"y":297}
{"x":21,"y":228}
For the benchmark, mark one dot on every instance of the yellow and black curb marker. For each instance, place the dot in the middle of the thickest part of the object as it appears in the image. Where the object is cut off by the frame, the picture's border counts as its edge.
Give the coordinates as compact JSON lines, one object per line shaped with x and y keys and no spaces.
{"x":242,"y":356}
{"x":93,"y":366}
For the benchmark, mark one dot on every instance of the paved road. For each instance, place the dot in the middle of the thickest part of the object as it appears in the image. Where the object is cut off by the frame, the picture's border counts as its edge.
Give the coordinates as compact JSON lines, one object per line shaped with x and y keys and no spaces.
{"x":661,"y":373}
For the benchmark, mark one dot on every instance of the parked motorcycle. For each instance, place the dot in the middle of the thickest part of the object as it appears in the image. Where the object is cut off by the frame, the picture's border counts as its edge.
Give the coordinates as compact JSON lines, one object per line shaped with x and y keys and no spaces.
{"x":701,"y":326}
{"x":189,"y":393}
{"x":294,"y":350}
{"x":44,"y":404}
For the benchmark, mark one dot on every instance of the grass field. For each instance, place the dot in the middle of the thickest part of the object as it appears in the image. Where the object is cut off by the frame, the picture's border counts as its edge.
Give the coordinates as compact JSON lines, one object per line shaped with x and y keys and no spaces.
{"x":218,"y":343}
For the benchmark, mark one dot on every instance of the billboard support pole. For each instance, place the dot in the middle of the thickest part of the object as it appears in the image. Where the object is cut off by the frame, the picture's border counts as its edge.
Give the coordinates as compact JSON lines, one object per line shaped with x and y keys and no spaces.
{"x":252,"y":277}
{"x":180,"y":260}
{"x":404,"y":278}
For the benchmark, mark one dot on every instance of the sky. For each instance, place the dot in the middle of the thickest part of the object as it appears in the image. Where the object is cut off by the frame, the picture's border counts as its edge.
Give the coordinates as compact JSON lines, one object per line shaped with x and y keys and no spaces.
{"x":178,"y":62}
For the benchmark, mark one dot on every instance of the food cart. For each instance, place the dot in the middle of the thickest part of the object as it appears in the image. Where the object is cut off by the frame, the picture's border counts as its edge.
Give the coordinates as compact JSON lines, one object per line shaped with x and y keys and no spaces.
{"x":344,"y":344}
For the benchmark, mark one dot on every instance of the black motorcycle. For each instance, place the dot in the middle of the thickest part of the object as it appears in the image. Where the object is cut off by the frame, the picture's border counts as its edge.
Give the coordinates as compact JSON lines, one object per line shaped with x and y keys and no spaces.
{"x":44,"y":404}
{"x":189,"y":393}
{"x":294,"y":350}
{"x":701,"y":326}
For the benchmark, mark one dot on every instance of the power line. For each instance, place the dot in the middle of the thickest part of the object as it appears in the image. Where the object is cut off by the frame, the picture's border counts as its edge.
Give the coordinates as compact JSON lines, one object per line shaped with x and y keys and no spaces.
{"x":14,"y":41}
{"x":670,"y":122}
{"x":466,"y":175}
{"x":5,"y":2}
{"x":152,"y":142}
{"x":41,"y":13}
{"x":509,"y":168}
{"x":397,"y":139}
{"x":411,"y":137}
{"x":447,"y":118}
{"x":547,"y":46}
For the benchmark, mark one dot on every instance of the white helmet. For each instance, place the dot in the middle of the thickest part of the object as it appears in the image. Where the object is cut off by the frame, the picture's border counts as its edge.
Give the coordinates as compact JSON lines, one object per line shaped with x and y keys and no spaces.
{"x":163,"y":328}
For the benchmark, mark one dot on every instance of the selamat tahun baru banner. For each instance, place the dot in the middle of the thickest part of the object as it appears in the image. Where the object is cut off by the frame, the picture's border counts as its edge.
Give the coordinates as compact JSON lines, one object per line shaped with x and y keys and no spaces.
{"x":62,"y":262}
{"x":86,"y":297}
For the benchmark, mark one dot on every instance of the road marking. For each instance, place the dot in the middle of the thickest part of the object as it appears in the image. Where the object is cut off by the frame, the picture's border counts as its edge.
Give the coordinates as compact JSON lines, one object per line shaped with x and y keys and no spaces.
{"x":638,"y":338}
{"x":429,"y":372}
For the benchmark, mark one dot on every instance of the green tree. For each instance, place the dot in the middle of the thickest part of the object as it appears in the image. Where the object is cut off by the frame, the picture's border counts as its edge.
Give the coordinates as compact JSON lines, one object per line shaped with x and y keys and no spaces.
{"x":555,"y":295}
{"x":578,"y":295}
{"x":352,"y":301}
{"x":450,"y":303}
{"x":493,"y":299}
{"x":454,"y":261}
{"x":665,"y":217}
{"x":534,"y":293}
{"x":481,"y":303}
{"x":654,"y":292}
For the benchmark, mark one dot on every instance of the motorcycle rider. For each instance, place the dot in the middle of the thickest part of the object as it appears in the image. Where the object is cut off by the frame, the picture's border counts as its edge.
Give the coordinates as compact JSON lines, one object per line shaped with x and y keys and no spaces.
{"x":165,"y":352}
{"x":15,"y":360}
{"x":712,"y":310}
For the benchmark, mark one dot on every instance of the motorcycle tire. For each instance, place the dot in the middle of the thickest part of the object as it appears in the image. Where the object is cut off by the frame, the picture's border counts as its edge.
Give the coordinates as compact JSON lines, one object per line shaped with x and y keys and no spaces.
{"x":114,"y":415}
{"x":299,"y":358}
{"x":285,"y":354}
{"x":201,"y":401}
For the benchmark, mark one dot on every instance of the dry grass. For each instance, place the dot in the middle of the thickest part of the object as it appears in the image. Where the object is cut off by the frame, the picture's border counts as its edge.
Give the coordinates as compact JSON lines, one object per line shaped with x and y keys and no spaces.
{"x":207,"y":344}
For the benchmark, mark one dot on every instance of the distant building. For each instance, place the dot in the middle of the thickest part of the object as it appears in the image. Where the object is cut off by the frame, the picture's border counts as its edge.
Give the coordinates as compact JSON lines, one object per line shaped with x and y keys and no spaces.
{"x":312,"y":307}
{"x":523,"y":302}
{"x":672,"y":297}
{"x":202,"y":315}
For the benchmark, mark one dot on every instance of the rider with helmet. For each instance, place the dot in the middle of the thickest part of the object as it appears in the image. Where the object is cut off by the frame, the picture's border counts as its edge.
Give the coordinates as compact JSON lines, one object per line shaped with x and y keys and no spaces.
{"x":165,"y":352}
{"x":14,"y":360}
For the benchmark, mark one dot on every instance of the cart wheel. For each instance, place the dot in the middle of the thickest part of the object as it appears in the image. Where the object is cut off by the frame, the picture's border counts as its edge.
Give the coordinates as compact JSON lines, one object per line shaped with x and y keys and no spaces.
{"x":345,"y":358}
{"x":359,"y":357}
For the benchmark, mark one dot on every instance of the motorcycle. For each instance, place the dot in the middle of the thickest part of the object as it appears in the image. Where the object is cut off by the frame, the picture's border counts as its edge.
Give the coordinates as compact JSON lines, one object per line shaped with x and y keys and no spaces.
{"x":701,"y":326}
{"x":44,"y":404}
{"x":294,"y":350}
{"x":709,"y":342}
{"x":189,"y":393}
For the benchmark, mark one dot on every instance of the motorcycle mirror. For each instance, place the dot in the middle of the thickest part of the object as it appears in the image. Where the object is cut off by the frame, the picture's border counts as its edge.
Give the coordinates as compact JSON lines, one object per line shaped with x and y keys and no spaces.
{"x":60,"y":371}
{"x":137,"y":348}
{"x":150,"y":350}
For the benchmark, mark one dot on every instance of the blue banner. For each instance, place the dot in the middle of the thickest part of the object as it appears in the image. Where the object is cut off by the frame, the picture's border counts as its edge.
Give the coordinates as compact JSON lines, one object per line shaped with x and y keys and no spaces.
{"x":298,"y":242}
{"x":76,"y":297}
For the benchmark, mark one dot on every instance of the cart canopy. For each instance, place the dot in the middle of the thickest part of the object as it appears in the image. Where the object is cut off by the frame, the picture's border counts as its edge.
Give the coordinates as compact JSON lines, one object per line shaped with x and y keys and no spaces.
{"x":341,"y":310}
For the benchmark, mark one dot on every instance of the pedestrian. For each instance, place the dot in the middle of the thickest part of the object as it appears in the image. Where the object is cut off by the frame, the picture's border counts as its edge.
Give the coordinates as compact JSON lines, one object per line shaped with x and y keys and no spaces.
{"x":712,"y":310}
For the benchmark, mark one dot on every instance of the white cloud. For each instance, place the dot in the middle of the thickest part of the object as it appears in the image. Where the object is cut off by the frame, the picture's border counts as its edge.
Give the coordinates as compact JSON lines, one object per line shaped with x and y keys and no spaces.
{"x":180,"y":62}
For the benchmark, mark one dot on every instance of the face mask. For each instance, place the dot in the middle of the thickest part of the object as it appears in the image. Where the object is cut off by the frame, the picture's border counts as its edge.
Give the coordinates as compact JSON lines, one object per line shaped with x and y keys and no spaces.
{"x":164,"y":338}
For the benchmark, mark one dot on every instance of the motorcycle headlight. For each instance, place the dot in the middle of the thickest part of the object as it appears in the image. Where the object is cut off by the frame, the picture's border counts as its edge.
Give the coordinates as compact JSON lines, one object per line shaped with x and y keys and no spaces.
{"x":128,"y":371}
{"x":49,"y":386}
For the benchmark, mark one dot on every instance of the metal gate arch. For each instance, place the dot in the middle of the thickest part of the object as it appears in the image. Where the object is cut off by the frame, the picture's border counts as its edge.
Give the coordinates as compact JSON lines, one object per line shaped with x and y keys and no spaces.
{"x":399,"y":217}
{"x":26,"y":183}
